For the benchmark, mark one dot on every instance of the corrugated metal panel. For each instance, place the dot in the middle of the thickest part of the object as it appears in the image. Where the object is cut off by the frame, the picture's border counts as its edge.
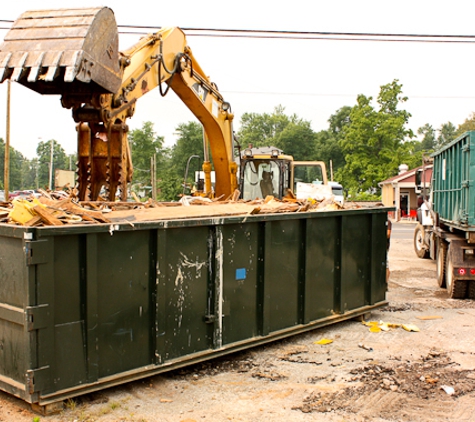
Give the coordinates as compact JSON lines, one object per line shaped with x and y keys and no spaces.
{"x":453,"y":182}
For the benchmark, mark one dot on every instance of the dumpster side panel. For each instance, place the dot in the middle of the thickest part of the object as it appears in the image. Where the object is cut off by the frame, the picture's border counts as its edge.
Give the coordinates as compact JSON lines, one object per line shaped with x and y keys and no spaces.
{"x":14,"y":297}
{"x":322,"y":267}
{"x":282,"y":252}
{"x":185,"y":291}
{"x":69,"y":299}
{"x":378,"y":264}
{"x":241,"y":264}
{"x":14,"y":351}
{"x":123,"y":301}
{"x":13,"y":272}
{"x":356,"y":260}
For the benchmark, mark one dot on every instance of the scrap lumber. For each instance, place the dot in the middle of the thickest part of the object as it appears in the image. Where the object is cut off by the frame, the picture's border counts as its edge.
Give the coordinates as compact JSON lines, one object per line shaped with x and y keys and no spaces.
{"x":47,"y":216}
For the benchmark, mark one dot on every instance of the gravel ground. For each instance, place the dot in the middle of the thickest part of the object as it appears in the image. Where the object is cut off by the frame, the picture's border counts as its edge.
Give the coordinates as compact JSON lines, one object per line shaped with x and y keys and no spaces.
{"x":379,"y":373}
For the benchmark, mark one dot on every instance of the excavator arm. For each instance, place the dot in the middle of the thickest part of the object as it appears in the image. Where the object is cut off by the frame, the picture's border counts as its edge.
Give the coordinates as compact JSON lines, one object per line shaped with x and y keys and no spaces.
{"x":74,"y":53}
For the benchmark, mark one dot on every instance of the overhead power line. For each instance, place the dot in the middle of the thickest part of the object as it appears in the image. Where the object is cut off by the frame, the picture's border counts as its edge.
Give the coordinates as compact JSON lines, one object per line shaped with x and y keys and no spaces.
{"x":311,"y":35}
{"x":297,"y":35}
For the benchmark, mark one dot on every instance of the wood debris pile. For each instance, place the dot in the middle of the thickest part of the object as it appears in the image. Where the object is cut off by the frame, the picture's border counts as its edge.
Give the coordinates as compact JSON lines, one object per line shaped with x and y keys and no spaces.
{"x":48,"y":210}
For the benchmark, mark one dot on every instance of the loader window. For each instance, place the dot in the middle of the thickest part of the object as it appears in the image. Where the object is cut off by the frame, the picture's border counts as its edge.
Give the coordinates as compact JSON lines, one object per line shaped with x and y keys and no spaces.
{"x":260,"y":178}
{"x":308,"y":174}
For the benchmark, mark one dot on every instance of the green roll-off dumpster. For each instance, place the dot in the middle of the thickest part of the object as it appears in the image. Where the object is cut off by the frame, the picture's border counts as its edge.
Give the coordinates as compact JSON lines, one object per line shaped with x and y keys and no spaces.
{"x":86,"y":307}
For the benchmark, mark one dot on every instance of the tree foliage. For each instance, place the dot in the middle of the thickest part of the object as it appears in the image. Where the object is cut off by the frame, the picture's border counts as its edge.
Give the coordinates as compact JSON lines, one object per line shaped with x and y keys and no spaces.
{"x":373,"y":141}
{"x":327,"y":142}
{"x":188,"y":144}
{"x":298,"y":140}
{"x":468,"y":124}
{"x":261,"y":130}
{"x":16,"y":165}
{"x":60,"y":161}
{"x":145,"y":145}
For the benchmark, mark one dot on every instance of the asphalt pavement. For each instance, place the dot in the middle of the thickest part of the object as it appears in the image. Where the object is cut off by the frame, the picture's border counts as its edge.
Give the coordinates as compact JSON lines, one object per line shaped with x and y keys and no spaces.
{"x":403,"y":230}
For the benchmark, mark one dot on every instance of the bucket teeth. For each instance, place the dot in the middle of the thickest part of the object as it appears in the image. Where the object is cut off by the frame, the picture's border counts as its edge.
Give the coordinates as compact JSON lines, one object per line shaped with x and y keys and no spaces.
{"x":53,"y":68}
{"x":72,"y":70}
{"x":19,"y":68}
{"x":36,"y":68}
{"x":3,"y":65}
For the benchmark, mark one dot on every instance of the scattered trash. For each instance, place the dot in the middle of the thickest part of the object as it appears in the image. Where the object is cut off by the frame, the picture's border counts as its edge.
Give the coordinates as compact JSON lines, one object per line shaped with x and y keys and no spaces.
{"x":363,"y":346}
{"x":410,"y":327}
{"x":449,"y":390}
{"x":429,"y":317}
{"x":323,"y":341}
{"x":378,"y":326}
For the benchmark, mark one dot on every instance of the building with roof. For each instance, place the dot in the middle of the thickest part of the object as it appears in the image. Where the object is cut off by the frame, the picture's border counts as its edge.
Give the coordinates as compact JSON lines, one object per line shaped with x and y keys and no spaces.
{"x":401,"y":191}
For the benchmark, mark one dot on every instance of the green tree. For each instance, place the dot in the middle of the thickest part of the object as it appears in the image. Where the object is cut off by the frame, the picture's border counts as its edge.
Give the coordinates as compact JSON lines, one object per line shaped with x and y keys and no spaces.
{"x":60,"y":160}
{"x":16,"y":163}
{"x":327,"y":142}
{"x":428,"y":141}
{"x":188,"y":144}
{"x":29,"y":173}
{"x":298,"y":140}
{"x":145,"y":145}
{"x":447,"y":133}
{"x":373,"y":141}
{"x":468,"y":124}
{"x":261,"y":130}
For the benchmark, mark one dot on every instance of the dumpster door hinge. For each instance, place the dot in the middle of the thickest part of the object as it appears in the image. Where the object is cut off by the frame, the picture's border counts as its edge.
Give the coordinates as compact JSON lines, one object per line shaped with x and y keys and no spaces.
{"x":36,"y":252}
{"x":209,"y":319}
{"x":37,"y":379}
{"x":37,"y":317}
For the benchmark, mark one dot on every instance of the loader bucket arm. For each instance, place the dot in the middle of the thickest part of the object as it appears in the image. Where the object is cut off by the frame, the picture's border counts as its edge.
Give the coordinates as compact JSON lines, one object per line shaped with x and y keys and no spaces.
{"x":64,"y":50}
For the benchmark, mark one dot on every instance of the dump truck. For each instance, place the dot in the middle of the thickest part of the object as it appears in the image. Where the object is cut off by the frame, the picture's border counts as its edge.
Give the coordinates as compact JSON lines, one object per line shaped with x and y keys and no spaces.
{"x":88,"y":306}
{"x":446,"y":218}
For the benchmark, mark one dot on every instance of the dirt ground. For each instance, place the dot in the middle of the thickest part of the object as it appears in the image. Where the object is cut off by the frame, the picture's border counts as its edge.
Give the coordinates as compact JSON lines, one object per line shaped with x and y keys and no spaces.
{"x":363,"y":375}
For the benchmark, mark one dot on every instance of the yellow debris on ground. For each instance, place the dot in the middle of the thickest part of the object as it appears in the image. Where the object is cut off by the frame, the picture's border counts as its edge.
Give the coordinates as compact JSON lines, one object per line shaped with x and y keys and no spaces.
{"x":378,"y":326}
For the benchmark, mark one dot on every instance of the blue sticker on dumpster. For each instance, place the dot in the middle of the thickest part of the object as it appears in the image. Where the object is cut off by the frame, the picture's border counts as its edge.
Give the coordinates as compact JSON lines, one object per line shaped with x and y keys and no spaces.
{"x":240,"y":274}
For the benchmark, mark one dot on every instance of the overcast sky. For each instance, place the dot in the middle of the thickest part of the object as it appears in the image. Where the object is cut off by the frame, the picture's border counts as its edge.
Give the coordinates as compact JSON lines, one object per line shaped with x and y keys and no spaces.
{"x":311,"y":78}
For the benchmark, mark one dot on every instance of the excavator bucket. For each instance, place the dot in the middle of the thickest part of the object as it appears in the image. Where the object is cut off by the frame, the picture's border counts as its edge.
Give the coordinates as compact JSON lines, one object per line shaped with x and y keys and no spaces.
{"x":65,"y":50}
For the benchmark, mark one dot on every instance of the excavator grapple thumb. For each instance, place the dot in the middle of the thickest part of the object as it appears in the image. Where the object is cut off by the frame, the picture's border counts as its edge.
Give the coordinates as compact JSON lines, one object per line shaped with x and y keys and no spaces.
{"x":63,"y":51}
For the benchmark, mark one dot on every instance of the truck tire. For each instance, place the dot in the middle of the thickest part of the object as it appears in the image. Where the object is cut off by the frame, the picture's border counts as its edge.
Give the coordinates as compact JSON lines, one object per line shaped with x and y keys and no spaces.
{"x":440,"y":261}
{"x":471,"y":290}
{"x":419,"y":248}
{"x":457,"y":289}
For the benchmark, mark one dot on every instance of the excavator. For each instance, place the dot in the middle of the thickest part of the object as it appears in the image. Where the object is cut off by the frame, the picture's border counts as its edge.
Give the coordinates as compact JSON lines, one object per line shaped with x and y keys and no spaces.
{"x":75,"y":53}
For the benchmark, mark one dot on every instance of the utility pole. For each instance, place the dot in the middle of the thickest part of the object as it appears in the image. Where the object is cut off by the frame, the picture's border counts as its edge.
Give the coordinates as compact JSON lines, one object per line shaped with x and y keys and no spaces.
{"x":6,"y":175}
{"x":153,"y":174}
{"x":51,"y":167}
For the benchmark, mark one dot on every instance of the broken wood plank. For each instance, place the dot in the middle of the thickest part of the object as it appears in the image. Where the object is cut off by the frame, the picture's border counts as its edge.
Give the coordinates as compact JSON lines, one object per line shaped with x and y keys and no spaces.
{"x":47,"y":216}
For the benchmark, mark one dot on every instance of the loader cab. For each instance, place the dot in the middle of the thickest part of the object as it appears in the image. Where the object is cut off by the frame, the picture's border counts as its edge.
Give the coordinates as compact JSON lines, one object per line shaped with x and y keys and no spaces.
{"x":264,"y":172}
{"x":268,"y":171}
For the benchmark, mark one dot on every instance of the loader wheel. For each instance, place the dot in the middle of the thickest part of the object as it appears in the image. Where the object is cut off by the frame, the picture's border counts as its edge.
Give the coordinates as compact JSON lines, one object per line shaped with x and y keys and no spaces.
{"x":457,"y":289}
{"x":419,"y":248}
{"x":441,"y":257}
